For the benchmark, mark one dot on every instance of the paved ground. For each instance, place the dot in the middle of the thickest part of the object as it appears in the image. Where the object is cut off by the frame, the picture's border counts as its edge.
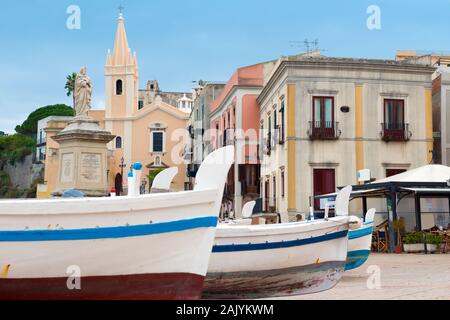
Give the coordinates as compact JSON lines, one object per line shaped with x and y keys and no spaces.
{"x":402,"y":276}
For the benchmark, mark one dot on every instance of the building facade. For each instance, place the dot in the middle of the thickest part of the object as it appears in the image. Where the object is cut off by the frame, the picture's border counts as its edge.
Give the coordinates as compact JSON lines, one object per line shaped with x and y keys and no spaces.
{"x":149,"y":124}
{"x":234,"y":121}
{"x":145,"y":122}
{"x":205,"y":94}
{"x":441,"y":115}
{"x":324,"y":119}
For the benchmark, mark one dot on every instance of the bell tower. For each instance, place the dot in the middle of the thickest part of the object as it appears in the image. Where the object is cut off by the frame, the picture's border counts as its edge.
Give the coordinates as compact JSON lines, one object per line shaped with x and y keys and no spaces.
{"x":121,"y":92}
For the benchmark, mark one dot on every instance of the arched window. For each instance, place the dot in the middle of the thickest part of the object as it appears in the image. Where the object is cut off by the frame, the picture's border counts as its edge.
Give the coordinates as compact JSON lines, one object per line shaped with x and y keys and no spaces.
{"x":118,"y":143}
{"x":119,"y":87}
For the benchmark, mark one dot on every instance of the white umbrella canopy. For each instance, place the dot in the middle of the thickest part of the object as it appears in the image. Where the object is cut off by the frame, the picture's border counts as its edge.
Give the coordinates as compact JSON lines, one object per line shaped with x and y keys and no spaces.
{"x":428,"y":173}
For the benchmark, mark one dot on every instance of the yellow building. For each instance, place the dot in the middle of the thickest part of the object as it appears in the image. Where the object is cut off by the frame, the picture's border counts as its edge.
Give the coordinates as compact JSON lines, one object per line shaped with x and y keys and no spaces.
{"x":149,"y":125}
{"x":327,"y":118}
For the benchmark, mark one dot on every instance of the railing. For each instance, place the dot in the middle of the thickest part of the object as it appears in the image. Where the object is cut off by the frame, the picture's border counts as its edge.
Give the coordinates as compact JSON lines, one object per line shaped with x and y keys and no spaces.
{"x":268,"y":144}
{"x":395,"y":132}
{"x":324,"y":130}
{"x":280,"y":135}
{"x":192,"y":169}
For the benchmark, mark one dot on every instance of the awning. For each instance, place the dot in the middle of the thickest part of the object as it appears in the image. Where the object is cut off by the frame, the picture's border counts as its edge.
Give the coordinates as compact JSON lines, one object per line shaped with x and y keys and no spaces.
{"x":428,"y":191}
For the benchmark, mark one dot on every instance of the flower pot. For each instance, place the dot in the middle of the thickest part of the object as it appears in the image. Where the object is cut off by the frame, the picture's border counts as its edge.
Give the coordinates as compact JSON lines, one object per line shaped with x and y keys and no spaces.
{"x":398,"y":249}
{"x":414,"y":247}
{"x":431,"y":247}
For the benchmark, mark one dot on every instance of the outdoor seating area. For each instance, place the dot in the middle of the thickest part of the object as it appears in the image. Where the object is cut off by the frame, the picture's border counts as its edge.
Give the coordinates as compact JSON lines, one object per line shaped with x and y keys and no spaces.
{"x":380,"y":237}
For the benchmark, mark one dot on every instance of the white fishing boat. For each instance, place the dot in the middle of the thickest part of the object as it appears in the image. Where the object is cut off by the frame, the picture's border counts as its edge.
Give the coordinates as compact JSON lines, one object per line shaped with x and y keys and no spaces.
{"x":360,"y":242}
{"x":258,"y":261}
{"x":154,"y":246}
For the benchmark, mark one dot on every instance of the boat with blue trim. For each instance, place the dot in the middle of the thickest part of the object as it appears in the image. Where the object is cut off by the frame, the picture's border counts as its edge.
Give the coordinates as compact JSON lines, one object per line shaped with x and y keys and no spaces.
{"x":360,"y":242}
{"x":154,"y":246}
{"x":260,"y":261}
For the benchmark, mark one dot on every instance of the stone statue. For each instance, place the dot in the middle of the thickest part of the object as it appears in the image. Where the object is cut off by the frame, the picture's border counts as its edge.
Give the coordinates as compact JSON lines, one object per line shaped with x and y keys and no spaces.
{"x":83,"y":93}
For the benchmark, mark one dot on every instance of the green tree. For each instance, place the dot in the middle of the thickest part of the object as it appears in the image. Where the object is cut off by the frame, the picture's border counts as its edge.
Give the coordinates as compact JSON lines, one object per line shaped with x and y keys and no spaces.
{"x":15,"y":148}
{"x":29,"y":126}
{"x":70,"y":86}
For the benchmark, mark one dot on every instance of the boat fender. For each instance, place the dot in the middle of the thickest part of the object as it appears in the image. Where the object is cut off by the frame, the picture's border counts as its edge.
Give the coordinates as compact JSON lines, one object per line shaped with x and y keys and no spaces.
{"x":354,"y":223}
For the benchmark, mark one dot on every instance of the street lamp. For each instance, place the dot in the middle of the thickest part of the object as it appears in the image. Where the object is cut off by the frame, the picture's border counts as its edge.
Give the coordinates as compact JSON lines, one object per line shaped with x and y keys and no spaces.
{"x":121,"y":166}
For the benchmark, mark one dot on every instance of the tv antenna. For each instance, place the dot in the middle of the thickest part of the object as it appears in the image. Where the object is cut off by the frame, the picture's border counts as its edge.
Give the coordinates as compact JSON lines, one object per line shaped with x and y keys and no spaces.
{"x":309,"y":46}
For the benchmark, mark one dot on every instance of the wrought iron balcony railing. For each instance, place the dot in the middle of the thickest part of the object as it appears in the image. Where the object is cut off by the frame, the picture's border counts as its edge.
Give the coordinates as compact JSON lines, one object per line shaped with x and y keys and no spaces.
{"x":395,"y":132}
{"x":324,"y":130}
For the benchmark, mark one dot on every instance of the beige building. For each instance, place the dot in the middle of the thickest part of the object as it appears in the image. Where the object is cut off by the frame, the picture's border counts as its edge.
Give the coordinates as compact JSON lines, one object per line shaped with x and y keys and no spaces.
{"x":149,"y":124}
{"x":324,"y":119}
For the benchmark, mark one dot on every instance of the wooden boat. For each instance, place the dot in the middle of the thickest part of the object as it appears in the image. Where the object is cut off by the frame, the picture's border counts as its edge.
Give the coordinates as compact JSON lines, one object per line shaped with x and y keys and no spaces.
{"x":259,"y":261}
{"x":360,"y":242}
{"x":154,"y":246}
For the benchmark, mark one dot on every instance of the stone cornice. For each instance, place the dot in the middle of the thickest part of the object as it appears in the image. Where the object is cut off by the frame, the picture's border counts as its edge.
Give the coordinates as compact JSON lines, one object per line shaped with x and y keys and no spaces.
{"x":338,"y":64}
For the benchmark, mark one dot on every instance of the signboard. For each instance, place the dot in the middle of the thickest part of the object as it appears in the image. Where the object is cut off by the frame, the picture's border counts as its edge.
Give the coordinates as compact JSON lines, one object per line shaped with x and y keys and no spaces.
{"x":363,"y":175}
{"x":67,"y":167}
{"x":330,"y":201}
{"x":90,"y":168}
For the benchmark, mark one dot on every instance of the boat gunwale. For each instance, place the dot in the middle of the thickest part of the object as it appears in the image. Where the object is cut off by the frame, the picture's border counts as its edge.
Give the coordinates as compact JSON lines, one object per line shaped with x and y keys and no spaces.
{"x":103,"y":205}
{"x":244,"y":231}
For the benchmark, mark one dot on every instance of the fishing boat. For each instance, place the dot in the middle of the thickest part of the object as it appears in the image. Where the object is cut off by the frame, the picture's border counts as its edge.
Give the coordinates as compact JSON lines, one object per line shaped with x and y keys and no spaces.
{"x":153,"y":246}
{"x":260,"y":261}
{"x":360,"y":242}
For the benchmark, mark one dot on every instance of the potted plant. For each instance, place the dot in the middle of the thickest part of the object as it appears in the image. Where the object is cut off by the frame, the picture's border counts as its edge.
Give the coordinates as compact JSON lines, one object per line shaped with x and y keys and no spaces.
{"x":433,"y":241}
{"x":413,"y":242}
{"x":399,"y":227}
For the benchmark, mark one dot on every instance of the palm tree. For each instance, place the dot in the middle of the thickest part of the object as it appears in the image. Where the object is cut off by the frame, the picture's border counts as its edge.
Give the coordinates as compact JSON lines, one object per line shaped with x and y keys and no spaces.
{"x":70,"y":86}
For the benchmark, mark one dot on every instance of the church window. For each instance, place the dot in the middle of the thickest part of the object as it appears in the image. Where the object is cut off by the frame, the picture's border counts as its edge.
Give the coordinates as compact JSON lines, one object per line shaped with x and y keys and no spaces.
{"x":119,"y":87}
{"x":118,"y":143}
{"x":157,"y":141}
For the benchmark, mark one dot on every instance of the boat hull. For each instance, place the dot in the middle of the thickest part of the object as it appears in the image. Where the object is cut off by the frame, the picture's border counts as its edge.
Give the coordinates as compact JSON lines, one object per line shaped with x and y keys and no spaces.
{"x":165,"y":286}
{"x":274,"y":283}
{"x":359,"y":245}
{"x":146,"y":253}
{"x":282,"y":260}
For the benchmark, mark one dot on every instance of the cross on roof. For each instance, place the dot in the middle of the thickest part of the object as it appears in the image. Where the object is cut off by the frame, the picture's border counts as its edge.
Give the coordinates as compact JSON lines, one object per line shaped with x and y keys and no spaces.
{"x":121,"y":9}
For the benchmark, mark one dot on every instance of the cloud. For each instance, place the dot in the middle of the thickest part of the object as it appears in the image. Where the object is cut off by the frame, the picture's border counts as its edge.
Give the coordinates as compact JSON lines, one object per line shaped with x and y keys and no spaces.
{"x":9,"y":124}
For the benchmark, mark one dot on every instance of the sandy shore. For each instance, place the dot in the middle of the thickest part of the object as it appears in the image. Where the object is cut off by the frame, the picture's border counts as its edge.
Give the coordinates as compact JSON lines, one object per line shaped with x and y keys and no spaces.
{"x":402,"y":276}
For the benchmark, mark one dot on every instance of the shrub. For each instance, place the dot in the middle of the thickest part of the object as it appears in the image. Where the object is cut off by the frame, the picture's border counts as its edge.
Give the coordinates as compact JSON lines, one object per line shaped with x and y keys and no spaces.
{"x":432,"y":238}
{"x":413,"y":237}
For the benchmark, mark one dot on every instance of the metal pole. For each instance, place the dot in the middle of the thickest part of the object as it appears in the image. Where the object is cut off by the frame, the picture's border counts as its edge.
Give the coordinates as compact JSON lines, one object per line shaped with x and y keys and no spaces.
{"x":392,"y":217}
{"x":364,"y":201}
{"x":418,"y":213}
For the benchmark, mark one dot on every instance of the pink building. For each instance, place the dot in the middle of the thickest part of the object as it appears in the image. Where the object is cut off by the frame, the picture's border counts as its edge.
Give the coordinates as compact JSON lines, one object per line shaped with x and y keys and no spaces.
{"x":235,"y":119}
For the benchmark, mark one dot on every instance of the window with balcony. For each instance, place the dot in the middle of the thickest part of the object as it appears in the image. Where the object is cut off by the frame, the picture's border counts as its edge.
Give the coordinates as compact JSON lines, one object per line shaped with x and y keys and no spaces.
{"x":394,"y":127}
{"x":281,"y":126}
{"x":323,"y":125}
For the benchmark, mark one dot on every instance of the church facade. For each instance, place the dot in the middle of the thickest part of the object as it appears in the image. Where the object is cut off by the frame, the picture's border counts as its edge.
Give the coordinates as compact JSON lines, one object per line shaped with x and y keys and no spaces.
{"x":149,"y":124}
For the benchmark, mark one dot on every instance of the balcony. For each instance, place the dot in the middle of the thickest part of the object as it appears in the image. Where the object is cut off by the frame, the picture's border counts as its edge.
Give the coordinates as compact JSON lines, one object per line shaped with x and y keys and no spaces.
{"x":191,"y":170}
{"x":395,"y":132}
{"x":267,"y":147}
{"x":324,"y":130}
{"x":228,"y":137}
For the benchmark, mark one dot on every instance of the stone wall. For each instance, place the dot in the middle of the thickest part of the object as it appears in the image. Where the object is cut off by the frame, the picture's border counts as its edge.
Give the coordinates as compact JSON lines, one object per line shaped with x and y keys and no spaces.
{"x":22,"y":174}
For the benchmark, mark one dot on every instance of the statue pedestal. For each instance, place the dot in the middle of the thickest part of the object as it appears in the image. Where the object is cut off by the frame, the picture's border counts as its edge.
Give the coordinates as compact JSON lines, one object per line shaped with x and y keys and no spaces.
{"x":83,"y":157}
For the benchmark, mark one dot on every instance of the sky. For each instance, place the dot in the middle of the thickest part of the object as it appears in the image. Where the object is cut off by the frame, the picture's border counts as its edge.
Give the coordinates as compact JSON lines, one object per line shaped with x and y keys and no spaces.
{"x":178,"y":42}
